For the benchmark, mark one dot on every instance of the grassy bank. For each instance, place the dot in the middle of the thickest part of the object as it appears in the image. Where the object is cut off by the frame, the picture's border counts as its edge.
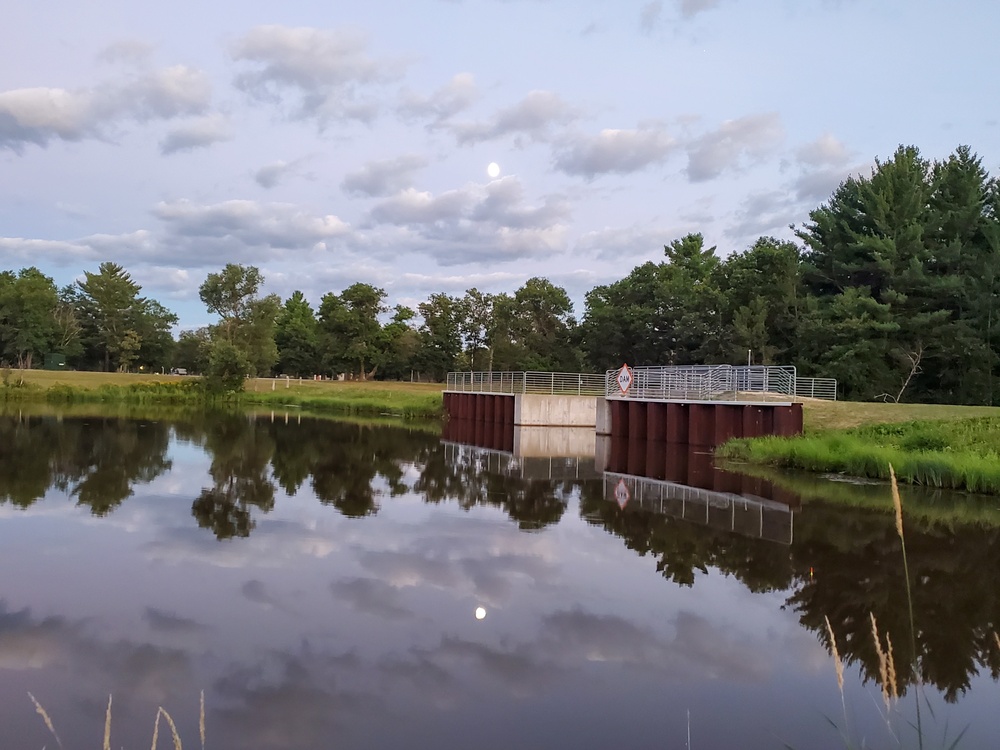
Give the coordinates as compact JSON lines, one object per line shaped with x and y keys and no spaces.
{"x":959,"y":454}
{"x":405,"y":400}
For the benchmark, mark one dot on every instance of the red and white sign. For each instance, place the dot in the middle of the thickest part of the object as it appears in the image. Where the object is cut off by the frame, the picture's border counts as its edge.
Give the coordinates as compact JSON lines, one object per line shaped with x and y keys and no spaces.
{"x":624,"y":379}
{"x":622,"y":495}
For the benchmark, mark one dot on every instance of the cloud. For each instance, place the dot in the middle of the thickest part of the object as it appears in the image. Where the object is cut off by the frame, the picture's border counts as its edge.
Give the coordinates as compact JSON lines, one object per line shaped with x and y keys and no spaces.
{"x":444,"y":103}
{"x":371,"y":596}
{"x":533,"y":118}
{"x":129,"y":51}
{"x":476,"y":222}
{"x":381,"y":178}
{"x":735,"y":141}
{"x":252,"y":223}
{"x":199,"y":133}
{"x":271,"y":174}
{"x":824,"y":151}
{"x":763,"y":213}
{"x":614,"y":152}
{"x":40,"y":115}
{"x":325,"y":72}
{"x":691,"y":8}
{"x":626,"y":242}
{"x":818,"y":184}
{"x":167,"y":622}
{"x":650,"y":15}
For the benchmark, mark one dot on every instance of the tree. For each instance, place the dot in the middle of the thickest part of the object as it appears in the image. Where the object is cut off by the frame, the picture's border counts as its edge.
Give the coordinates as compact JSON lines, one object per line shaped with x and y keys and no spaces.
{"x":110,"y":299}
{"x":476,"y":324}
{"x":297,"y":337}
{"x":247,"y":320}
{"x":28,"y":304}
{"x":440,"y":335}
{"x":350,"y":332}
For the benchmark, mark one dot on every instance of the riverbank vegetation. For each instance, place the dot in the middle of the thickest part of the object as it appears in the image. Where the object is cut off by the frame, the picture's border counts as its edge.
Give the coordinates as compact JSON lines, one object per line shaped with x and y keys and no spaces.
{"x":961,"y":454}
{"x":401,"y":400}
{"x":891,"y":286}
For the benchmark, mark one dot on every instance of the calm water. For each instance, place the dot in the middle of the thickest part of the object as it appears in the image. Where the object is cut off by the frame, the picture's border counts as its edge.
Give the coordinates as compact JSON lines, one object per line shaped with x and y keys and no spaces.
{"x":319,"y":581}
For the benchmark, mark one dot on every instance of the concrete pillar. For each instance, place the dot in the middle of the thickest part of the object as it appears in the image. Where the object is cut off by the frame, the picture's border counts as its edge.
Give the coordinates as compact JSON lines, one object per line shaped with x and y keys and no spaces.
{"x":656,"y":459}
{"x":701,"y":424}
{"x":508,"y":410}
{"x":618,"y":455}
{"x":619,"y":418}
{"x":676,"y":469}
{"x":678,"y":423}
{"x":636,"y":420}
{"x":700,"y":471}
{"x":753,"y":421}
{"x":656,"y":421}
{"x":788,"y":420}
{"x":728,"y":422}
{"x":603,"y":416}
{"x":636,"y":457}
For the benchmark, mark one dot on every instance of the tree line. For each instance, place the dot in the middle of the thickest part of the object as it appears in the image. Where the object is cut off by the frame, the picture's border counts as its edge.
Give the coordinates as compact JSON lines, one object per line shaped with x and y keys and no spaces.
{"x":891,"y":287}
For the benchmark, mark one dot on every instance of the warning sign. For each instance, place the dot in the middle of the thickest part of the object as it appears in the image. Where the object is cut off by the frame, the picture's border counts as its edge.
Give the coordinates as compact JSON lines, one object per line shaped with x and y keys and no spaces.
{"x":624,"y":379}
{"x":622,"y":494}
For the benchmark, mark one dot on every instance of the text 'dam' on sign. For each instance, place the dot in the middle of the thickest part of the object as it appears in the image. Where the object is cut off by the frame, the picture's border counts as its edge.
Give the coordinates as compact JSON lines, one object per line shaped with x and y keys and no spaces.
{"x":624,"y":379}
{"x":622,"y":494}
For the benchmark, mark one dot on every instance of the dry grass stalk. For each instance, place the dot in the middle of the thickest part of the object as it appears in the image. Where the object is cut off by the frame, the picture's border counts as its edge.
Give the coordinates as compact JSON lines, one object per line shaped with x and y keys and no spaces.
{"x":107,"y":726}
{"x":997,"y":639}
{"x":896,"y":502}
{"x":883,"y":665}
{"x":837,"y":663}
{"x":201,"y":721}
{"x":893,"y":683}
{"x":173,"y":729}
{"x":45,"y":717}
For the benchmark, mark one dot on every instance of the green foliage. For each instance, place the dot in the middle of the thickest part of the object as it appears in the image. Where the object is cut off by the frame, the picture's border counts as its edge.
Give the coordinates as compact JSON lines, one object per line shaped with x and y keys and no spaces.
{"x":247,"y":321}
{"x":961,"y":455}
{"x":228,"y":367}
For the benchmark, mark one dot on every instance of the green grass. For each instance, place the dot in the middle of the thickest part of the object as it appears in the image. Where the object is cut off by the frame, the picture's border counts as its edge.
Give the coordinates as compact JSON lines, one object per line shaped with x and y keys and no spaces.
{"x":960,"y":454}
{"x":397,"y":399}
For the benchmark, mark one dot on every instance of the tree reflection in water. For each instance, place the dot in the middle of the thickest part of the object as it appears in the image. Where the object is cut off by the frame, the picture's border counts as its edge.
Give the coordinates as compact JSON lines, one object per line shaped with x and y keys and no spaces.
{"x":844,"y":564}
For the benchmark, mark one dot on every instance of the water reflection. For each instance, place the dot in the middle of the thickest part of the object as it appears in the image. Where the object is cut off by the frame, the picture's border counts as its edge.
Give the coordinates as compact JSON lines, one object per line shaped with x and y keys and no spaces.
{"x":308,"y":616}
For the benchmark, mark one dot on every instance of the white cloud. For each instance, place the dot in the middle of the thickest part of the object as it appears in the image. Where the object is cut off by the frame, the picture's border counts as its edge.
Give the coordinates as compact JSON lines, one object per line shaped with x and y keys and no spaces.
{"x":325,"y":71}
{"x":381,"y":178}
{"x":824,"y":151}
{"x":199,"y":133}
{"x":534,"y":118}
{"x":691,"y":8}
{"x":40,"y":115}
{"x":614,"y":151}
{"x":649,"y":16}
{"x":276,"y":225}
{"x":735,"y":141}
{"x":444,"y":103}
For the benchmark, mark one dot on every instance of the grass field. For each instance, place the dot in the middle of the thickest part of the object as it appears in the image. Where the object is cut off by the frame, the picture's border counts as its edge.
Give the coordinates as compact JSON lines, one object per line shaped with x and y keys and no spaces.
{"x":409,"y":400}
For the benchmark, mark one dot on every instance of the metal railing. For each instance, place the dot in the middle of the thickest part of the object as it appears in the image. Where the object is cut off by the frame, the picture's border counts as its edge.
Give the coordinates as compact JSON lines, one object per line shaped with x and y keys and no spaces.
{"x":824,"y":388}
{"x":548,"y":383}
{"x":704,"y":383}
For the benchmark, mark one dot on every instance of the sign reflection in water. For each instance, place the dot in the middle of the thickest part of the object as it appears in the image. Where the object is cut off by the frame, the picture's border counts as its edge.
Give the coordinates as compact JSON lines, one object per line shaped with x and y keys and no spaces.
{"x":316,"y":580}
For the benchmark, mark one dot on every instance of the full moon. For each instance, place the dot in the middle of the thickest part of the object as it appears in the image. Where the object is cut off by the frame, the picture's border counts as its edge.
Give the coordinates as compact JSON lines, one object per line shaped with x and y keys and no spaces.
{"x":480,"y":613}
{"x":493,"y":170}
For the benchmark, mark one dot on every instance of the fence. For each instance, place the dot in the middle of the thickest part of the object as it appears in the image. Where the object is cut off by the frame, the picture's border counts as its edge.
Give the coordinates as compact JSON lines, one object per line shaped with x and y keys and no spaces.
{"x":704,"y":383}
{"x":672,"y":383}
{"x":548,"y":383}
{"x":824,"y":388}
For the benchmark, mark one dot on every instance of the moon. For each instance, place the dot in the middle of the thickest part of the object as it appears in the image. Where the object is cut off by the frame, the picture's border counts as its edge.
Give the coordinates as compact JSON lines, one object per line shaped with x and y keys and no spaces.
{"x":493,"y":170}
{"x":480,"y":613}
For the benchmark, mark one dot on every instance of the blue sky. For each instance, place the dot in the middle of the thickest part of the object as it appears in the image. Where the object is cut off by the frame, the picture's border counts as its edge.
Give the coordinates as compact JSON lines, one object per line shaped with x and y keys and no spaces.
{"x":329,"y":143}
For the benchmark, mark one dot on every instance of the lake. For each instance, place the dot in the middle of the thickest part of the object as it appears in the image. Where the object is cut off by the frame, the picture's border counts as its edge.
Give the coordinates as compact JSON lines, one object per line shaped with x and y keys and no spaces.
{"x":330,"y":584}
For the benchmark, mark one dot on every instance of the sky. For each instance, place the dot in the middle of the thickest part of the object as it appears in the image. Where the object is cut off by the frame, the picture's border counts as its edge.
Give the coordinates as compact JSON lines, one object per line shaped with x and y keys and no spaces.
{"x":331,"y":143}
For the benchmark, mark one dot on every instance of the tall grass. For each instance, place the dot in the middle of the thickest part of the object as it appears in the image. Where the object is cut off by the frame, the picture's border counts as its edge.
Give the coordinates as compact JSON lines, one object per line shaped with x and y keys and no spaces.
{"x":161,"y":712}
{"x":960,"y":455}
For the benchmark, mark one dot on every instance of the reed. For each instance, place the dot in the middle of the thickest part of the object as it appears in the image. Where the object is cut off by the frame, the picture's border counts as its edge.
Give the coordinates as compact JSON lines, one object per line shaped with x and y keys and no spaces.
{"x":161,"y":712}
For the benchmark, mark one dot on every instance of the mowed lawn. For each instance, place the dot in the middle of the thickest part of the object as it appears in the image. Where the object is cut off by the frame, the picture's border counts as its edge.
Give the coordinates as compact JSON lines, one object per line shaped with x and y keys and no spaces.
{"x":818,"y":415}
